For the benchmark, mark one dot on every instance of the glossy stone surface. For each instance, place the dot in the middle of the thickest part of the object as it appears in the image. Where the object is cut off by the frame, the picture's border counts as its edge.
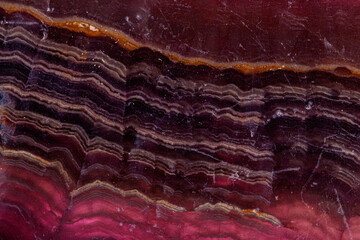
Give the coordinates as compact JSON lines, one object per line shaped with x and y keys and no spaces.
{"x":179,"y":119}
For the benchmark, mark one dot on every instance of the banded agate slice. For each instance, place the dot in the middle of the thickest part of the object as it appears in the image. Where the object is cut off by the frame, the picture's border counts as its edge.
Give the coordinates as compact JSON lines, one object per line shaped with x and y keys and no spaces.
{"x":179,"y":119}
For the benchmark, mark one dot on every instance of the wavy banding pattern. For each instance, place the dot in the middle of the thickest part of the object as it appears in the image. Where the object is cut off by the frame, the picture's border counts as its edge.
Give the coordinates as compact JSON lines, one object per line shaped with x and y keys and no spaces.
{"x":101,"y":141}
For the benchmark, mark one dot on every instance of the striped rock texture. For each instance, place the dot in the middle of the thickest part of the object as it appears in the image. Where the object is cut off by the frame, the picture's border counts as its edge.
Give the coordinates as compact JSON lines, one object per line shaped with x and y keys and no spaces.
{"x":179,"y":119}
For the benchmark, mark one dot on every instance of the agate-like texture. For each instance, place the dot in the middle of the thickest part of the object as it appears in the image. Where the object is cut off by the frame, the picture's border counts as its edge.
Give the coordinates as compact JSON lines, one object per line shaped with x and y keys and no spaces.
{"x":179,"y":119}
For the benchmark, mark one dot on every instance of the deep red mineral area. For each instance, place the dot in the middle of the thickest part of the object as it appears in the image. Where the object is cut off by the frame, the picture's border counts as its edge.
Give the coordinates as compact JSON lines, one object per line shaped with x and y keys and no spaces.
{"x":179,"y":119}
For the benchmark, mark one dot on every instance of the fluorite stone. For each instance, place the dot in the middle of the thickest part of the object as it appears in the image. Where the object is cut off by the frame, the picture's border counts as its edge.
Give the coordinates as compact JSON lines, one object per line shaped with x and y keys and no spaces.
{"x":179,"y":119}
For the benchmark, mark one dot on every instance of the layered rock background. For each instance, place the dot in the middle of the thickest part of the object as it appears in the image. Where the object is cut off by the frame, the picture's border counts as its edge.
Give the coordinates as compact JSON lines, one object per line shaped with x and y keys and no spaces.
{"x":179,"y":120}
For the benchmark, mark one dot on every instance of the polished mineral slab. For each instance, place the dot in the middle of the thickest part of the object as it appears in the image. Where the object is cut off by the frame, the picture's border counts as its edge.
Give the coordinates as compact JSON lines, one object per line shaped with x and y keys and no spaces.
{"x":179,"y":119}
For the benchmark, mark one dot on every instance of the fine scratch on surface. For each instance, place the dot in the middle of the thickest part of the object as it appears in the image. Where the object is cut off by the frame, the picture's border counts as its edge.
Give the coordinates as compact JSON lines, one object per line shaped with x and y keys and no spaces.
{"x":287,"y":170}
{"x":341,"y":212}
{"x":289,"y":84}
{"x":314,"y":171}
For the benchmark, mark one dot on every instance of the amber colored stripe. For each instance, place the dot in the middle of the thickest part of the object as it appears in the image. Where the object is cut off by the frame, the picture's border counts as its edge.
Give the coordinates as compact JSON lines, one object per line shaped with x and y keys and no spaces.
{"x":96,"y":30}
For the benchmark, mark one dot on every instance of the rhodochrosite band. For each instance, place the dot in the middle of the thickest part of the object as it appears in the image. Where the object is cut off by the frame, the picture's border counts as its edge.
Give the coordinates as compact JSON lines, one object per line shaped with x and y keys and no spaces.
{"x":179,"y":119}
